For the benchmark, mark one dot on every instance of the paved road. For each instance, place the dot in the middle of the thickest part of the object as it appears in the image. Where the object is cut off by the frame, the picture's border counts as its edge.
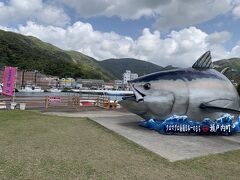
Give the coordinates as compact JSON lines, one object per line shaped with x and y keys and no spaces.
{"x":171,"y":147}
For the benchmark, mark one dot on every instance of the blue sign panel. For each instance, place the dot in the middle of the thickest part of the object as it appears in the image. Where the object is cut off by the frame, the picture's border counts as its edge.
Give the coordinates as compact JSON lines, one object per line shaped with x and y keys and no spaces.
{"x":183,"y":125}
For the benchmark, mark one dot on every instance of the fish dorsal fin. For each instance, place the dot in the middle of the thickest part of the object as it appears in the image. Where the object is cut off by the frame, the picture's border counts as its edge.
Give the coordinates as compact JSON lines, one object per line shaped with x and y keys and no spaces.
{"x":225,"y":70}
{"x":204,"y":62}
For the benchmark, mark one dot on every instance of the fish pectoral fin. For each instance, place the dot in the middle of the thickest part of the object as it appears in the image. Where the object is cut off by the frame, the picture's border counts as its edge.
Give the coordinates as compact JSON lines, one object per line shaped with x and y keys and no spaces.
{"x":208,"y":107}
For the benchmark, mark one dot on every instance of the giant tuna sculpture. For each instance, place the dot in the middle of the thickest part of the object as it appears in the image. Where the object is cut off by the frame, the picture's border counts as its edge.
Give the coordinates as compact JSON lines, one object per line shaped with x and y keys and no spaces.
{"x":198,"y":92}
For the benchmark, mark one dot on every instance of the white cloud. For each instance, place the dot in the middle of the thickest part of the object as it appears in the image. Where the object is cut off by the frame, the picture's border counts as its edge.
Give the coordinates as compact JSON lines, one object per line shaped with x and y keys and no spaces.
{"x":168,"y":13}
{"x":236,"y":51}
{"x":23,"y":10}
{"x":52,"y":16}
{"x":180,"y":13}
{"x":48,"y":21}
{"x":236,"y":10}
{"x":81,"y":37}
{"x":178,"y":48}
{"x":126,"y":9}
{"x":26,"y":5}
{"x":219,"y":37}
{"x":8,"y":29}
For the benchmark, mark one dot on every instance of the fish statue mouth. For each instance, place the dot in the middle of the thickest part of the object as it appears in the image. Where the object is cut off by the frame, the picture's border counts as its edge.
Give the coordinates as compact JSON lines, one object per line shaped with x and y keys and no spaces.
{"x":137,"y":96}
{"x":129,"y":98}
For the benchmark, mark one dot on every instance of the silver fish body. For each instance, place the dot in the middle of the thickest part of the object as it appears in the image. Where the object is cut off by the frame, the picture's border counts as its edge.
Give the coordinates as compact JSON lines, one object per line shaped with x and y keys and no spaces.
{"x":197,"y":93}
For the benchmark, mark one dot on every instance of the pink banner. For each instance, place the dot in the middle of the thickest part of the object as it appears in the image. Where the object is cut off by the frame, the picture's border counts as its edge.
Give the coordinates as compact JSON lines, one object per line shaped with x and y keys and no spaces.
{"x":9,"y":80}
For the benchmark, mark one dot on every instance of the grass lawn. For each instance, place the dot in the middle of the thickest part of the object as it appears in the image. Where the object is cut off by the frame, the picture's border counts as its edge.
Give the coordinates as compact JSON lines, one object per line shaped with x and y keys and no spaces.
{"x":37,"y":146}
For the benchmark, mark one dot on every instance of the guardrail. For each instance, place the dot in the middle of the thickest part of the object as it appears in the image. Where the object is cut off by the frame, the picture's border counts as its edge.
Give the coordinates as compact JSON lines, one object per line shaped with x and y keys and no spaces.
{"x":69,"y":101}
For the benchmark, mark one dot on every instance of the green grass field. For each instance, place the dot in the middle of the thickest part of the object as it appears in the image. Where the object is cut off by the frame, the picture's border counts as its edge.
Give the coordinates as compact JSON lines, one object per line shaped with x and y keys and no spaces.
{"x":37,"y":146}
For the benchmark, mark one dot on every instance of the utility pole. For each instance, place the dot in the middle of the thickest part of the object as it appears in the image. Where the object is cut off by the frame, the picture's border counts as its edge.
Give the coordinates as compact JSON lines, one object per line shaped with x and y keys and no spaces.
{"x":35,"y":78}
{"x":23,"y":73}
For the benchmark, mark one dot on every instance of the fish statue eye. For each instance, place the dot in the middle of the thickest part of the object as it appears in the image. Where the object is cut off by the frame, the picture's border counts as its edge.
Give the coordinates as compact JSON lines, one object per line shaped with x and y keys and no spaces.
{"x":147,"y":86}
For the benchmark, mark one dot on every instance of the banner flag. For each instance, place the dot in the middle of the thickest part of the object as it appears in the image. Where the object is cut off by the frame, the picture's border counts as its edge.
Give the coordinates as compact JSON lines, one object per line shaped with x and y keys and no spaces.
{"x":9,"y":80}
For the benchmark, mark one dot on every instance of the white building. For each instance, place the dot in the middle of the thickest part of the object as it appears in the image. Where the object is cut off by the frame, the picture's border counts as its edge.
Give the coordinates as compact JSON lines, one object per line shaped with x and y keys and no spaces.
{"x":127,"y":76}
{"x":118,"y":84}
{"x":134,"y":76}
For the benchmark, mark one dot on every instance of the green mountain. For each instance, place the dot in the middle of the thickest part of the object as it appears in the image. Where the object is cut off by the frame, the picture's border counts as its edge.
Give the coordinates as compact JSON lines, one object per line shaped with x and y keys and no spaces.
{"x":118,"y":66}
{"x":30,"y":53}
{"x":234,"y":64}
{"x":90,"y":67}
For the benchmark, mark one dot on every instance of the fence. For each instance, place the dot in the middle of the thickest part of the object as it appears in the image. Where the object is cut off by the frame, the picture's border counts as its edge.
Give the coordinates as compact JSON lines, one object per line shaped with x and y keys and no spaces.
{"x":56,"y":102}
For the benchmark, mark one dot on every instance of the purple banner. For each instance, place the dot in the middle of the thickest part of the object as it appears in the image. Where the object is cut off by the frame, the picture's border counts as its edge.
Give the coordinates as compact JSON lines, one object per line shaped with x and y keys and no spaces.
{"x":9,"y":80}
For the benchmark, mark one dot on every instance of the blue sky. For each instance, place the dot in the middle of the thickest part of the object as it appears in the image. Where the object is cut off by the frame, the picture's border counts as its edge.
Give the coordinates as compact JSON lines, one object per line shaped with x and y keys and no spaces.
{"x":132,"y":28}
{"x":164,"y":32}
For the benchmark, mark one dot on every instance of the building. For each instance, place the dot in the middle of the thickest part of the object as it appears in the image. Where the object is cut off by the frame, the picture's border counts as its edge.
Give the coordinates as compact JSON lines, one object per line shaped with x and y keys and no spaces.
{"x":32,"y":78}
{"x":133,"y":76}
{"x":108,"y":86}
{"x":49,"y":81}
{"x":118,"y":84}
{"x":91,"y":83}
{"x":67,"y":82}
{"x":127,"y":76}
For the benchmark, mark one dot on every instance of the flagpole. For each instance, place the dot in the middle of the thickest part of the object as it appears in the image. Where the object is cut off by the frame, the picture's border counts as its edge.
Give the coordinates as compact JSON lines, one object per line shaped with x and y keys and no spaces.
{"x":15,"y":83}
